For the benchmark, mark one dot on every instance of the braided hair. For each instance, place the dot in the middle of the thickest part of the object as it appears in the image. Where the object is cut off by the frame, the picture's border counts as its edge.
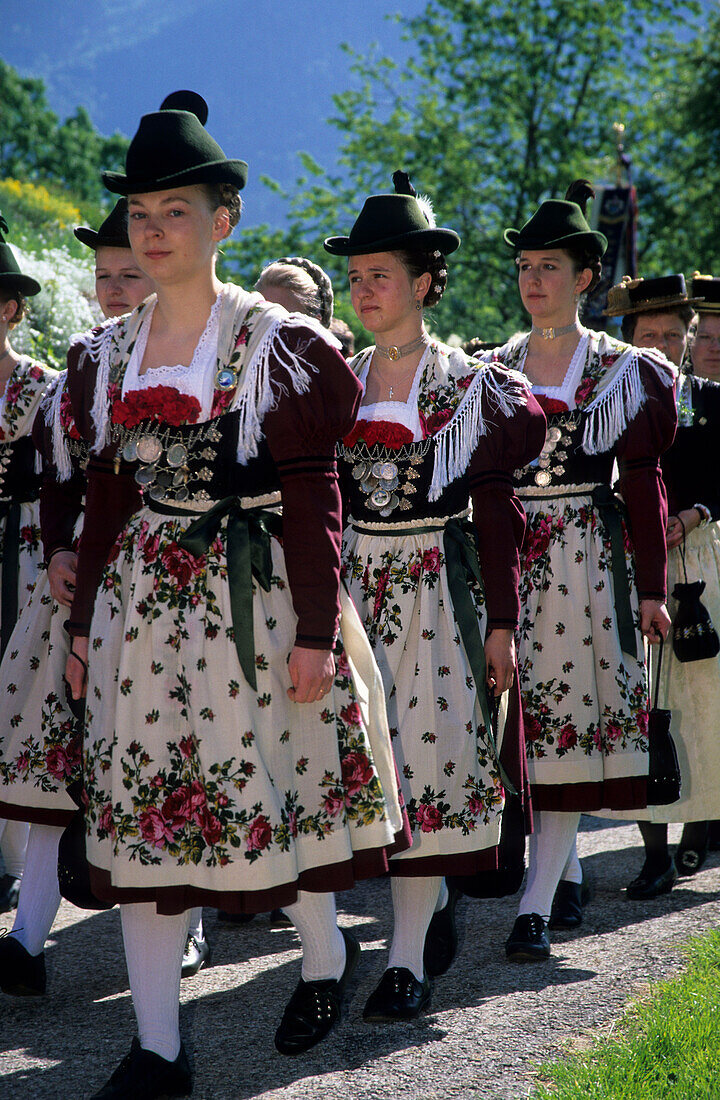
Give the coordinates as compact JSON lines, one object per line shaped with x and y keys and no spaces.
{"x":306,"y":281}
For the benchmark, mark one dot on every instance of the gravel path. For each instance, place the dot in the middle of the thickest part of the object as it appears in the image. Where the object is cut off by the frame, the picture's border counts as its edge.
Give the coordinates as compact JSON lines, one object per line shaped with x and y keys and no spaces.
{"x":491,"y":1022}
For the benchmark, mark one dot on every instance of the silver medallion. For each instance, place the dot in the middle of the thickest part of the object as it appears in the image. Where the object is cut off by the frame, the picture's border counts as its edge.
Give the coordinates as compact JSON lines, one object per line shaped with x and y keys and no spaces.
{"x":156,"y":492}
{"x":553,"y":435}
{"x":181,"y":493}
{"x":391,"y":505}
{"x":165,"y":478}
{"x":359,"y":471}
{"x":385,"y":471}
{"x":368,"y":484}
{"x":148,"y":448}
{"x":380,"y":498}
{"x":129,"y":451}
{"x":146,"y":475}
{"x":177,"y":455}
{"x":179,"y":477}
{"x":542,"y":478}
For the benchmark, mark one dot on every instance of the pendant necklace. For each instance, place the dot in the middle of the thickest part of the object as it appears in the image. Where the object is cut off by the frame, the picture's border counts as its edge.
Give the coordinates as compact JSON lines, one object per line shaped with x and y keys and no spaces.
{"x":553,"y":333}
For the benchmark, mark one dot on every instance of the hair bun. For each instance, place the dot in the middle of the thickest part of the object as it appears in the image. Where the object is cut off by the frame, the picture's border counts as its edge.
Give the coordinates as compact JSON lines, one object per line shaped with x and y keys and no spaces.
{"x":185,"y":100}
{"x":580,"y":192}
{"x":401,"y":181}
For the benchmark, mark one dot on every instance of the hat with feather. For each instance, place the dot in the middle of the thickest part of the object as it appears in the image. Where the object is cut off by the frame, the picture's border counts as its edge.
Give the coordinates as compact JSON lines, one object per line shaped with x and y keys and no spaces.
{"x":11,"y":277}
{"x":172,"y":148}
{"x":560,"y":223}
{"x":113,"y":233}
{"x":403,"y":220}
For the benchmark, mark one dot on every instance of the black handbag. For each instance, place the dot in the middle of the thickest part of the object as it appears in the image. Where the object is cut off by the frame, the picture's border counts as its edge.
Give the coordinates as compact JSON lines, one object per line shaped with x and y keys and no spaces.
{"x":507,"y":878}
{"x":73,"y":869}
{"x":694,"y":636}
{"x":664,"y":782}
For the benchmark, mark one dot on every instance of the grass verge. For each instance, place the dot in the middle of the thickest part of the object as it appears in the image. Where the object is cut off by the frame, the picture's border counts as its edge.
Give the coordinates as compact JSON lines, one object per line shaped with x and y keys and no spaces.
{"x":666,"y":1047}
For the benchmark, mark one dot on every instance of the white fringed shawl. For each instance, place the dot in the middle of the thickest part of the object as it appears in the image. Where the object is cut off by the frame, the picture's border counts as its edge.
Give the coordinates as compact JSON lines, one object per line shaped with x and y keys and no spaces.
{"x":620,"y":393}
{"x":50,"y":411}
{"x":256,"y":391}
{"x":502,"y":391}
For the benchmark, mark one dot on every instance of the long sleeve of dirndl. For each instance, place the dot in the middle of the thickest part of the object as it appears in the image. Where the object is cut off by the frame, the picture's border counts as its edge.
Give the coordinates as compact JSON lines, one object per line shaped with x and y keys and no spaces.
{"x":302,"y":432}
{"x":498,"y":516}
{"x":641,"y":484}
{"x":111,"y":498}
{"x":60,"y":502}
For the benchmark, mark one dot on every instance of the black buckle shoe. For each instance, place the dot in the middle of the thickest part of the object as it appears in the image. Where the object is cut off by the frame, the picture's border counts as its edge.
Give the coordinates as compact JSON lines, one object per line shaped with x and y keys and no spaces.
{"x":398,"y":996}
{"x":528,"y":941}
{"x":315,"y":1007}
{"x":649,"y":885}
{"x":441,"y":939}
{"x":21,"y":974}
{"x":9,"y":893}
{"x":144,"y":1075}
{"x":196,"y":955}
{"x":688,"y":861}
{"x":568,"y":904}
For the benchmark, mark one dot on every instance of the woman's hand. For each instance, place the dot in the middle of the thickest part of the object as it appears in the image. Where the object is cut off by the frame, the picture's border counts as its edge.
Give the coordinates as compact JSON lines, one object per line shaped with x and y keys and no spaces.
{"x":654,"y":620}
{"x":500,"y":659}
{"x":312,"y":672}
{"x":690,"y":519}
{"x":62,"y":569}
{"x":76,"y":667}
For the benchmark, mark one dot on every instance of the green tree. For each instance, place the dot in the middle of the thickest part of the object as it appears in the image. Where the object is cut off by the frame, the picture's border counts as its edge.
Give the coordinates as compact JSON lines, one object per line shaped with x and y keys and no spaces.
{"x":500,"y":105}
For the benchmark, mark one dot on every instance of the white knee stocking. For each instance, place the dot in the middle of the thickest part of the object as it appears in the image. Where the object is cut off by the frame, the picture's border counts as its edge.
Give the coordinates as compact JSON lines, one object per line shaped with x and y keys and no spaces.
{"x":154,"y":948}
{"x":315,"y":917}
{"x":39,"y":892}
{"x":13,"y":841}
{"x":195,"y":928}
{"x":414,"y":902}
{"x":550,"y":846}
{"x":572,"y":871}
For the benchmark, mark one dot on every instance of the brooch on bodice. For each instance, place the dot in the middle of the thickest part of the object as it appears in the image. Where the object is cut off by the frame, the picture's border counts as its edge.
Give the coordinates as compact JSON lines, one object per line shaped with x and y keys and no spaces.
{"x":163,"y":461}
{"x":551,"y":460}
{"x":387,"y":483}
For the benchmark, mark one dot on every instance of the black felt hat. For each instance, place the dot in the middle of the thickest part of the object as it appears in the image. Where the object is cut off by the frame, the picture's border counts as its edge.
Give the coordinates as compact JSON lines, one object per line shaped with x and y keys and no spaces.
{"x":172,"y":148}
{"x":388,"y":222}
{"x":709,"y":288}
{"x":559,"y":223}
{"x":647,"y":295}
{"x":11,"y":277}
{"x":113,"y":232}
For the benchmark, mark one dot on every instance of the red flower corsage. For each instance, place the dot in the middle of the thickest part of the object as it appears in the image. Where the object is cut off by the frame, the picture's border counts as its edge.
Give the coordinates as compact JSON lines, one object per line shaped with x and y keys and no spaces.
{"x":161,"y":403}
{"x":385,"y":432}
{"x":550,"y":405}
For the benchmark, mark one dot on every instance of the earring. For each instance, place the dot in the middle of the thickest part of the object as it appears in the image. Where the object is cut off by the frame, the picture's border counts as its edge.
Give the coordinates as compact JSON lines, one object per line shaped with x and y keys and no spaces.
{"x":418,"y":305}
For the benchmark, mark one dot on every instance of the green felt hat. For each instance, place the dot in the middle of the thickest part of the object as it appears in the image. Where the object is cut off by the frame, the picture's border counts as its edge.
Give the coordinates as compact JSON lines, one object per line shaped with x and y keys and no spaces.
{"x":11,"y":277}
{"x":172,"y":148}
{"x":559,"y":223}
{"x":113,"y":233}
{"x":390,"y":222}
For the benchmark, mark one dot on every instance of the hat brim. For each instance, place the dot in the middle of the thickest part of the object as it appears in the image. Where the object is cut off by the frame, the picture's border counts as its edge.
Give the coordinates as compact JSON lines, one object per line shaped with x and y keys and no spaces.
{"x":653,"y":306}
{"x":593,"y":241}
{"x":445,"y":240}
{"x":218,"y":171}
{"x":23,"y":284}
{"x":94,"y":240}
{"x":708,"y":307}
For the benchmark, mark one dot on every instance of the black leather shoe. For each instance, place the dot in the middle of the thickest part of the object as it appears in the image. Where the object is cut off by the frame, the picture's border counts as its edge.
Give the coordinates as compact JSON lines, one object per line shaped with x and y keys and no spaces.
{"x":714,"y":836}
{"x":9,"y":893}
{"x":196,"y":955}
{"x":21,"y":974}
{"x":441,"y":939}
{"x":315,"y":1007}
{"x":688,"y":861}
{"x":568,"y":904}
{"x":399,"y":996}
{"x":144,"y":1075}
{"x":528,"y":941}
{"x":280,"y":919}
{"x":650,"y":885}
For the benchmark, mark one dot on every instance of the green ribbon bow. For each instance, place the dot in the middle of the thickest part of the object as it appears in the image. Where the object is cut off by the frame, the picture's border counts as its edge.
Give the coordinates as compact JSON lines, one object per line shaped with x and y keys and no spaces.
{"x":249,"y":555}
{"x":463,"y":568}
{"x":612,"y":511}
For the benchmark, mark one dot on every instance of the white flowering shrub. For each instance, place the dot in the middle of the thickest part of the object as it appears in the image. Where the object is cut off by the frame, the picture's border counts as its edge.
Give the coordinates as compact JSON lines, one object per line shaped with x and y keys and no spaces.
{"x":65,"y":305}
